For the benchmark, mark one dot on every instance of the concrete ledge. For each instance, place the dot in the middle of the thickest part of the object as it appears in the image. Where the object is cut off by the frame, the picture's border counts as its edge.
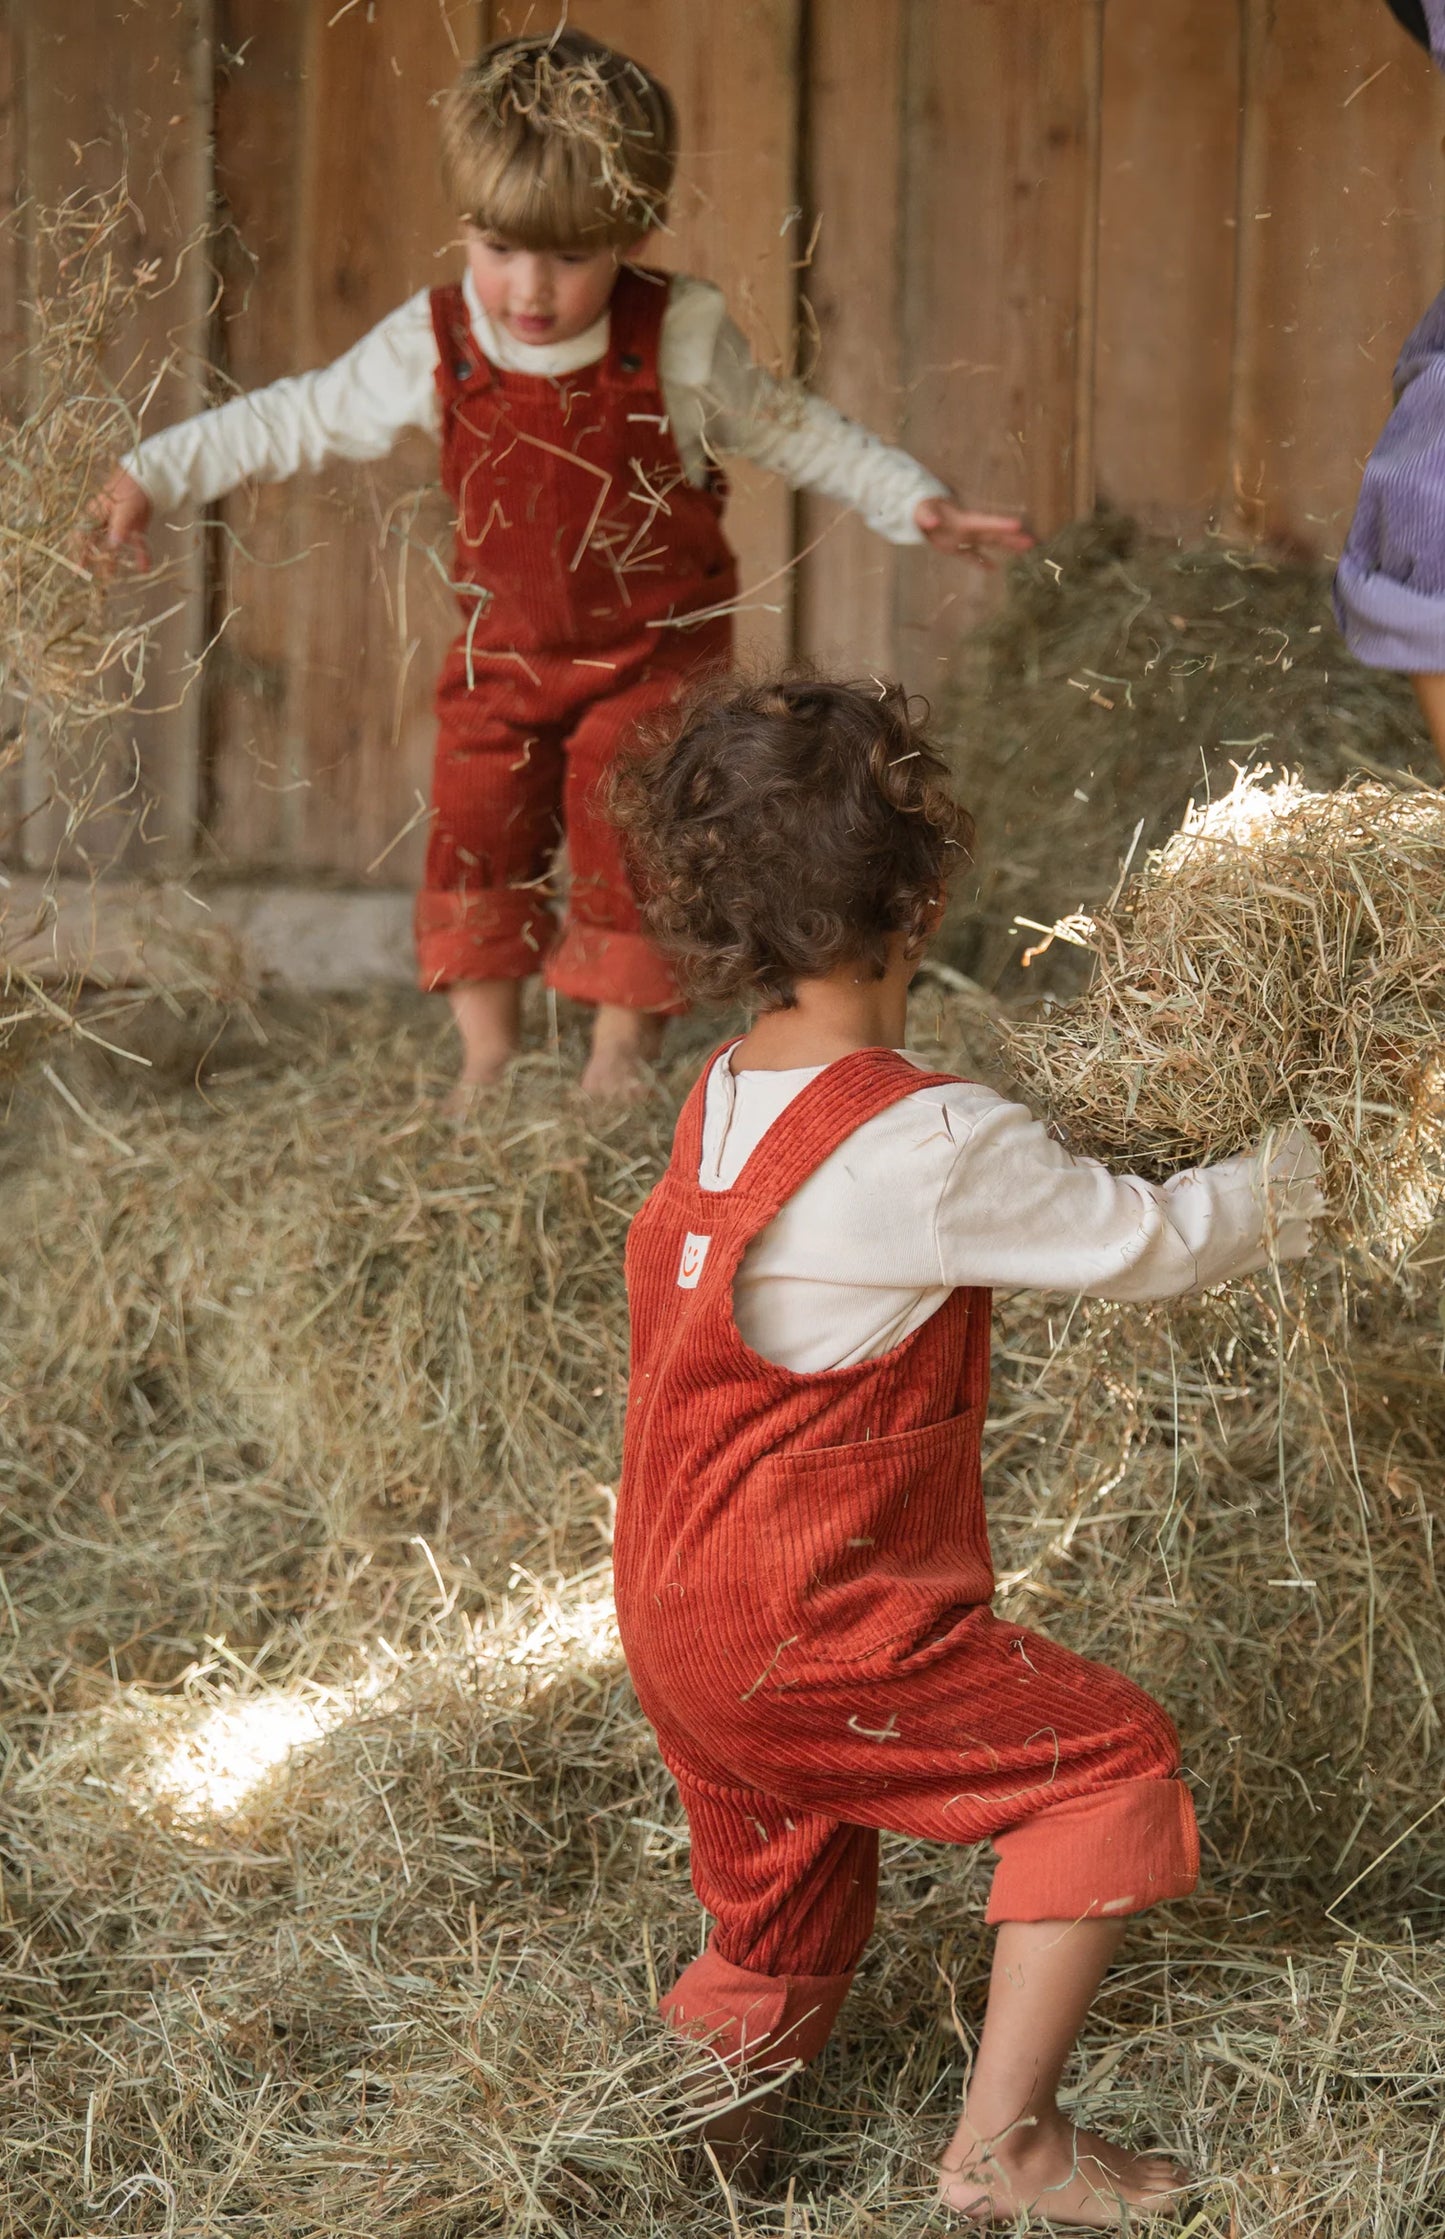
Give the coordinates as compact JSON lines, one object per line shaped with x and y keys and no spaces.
{"x":220,"y":938}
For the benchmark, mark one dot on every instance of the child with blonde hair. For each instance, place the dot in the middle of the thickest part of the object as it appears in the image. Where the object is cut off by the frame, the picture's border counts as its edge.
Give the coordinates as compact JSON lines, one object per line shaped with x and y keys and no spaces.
{"x":802,"y":1558}
{"x":583,"y":403}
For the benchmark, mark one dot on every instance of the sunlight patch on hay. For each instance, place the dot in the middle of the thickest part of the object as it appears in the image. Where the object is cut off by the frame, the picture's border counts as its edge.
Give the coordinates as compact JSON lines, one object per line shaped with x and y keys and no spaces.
{"x":560,"y":1629}
{"x":212,"y":1767}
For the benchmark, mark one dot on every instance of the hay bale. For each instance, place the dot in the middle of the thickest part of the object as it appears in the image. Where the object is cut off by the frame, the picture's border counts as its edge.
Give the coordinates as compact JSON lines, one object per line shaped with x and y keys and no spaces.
{"x":1122,"y":677}
{"x":1280,"y":960}
{"x":340,"y":1858}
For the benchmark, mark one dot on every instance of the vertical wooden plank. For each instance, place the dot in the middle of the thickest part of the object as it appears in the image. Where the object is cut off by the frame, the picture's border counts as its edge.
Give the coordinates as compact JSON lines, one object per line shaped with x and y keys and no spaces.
{"x":1000,"y":133}
{"x":377,"y":228}
{"x":1168,"y":228}
{"x":327,"y":156}
{"x":735,"y":220}
{"x":256,"y":762}
{"x":1342,"y":240}
{"x":853,"y":110}
{"x":132,"y":91}
{"x":1086,"y":333}
{"x":12,"y":374}
{"x":12,"y":247}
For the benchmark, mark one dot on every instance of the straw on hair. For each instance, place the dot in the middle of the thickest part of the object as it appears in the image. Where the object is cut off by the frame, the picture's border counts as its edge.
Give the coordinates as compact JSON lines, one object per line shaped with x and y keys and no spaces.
{"x":559,"y":143}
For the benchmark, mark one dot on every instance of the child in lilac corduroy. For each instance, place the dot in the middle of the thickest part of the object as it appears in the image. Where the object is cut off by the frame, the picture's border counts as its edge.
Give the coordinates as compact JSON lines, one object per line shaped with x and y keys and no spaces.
{"x":1390,"y":584}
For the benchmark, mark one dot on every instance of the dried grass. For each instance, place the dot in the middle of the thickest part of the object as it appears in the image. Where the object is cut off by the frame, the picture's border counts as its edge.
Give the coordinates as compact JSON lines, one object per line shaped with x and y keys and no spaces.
{"x":311,"y":1411}
{"x":74,"y":646}
{"x":1281,"y":959}
{"x":75,"y":642}
{"x":1122,"y":676}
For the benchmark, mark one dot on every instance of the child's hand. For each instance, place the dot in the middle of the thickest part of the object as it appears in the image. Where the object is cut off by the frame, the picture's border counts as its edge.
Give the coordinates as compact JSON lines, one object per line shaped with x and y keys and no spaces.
{"x":950,"y":527}
{"x":1291,"y":1181}
{"x":123,"y":515}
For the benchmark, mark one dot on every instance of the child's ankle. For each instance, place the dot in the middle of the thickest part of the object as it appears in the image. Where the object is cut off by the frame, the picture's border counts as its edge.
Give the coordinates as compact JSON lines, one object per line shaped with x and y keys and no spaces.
{"x":1004,"y":2135}
{"x":488,"y":1019}
{"x":628,"y":1033}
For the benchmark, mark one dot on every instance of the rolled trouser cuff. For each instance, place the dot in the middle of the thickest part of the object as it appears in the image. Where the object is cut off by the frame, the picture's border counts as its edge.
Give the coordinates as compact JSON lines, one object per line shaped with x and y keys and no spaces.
{"x":499,"y":933}
{"x":753,"y":2021}
{"x":1133,"y":1845}
{"x":592,"y":964}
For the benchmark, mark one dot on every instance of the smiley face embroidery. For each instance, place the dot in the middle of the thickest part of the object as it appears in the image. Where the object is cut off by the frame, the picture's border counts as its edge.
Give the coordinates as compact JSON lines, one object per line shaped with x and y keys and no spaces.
{"x":694,"y":1252}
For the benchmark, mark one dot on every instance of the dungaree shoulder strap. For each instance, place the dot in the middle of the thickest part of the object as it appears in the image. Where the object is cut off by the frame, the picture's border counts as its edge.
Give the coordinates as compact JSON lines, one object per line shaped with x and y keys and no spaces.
{"x":686,"y":1156}
{"x":634,"y":330}
{"x":458,"y":358}
{"x":842,"y":1098}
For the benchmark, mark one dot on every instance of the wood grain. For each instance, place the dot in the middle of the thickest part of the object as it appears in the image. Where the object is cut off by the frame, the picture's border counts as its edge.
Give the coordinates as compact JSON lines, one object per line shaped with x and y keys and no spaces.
{"x":1168,"y":228}
{"x":326,"y":152}
{"x":1342,"y":242}
{"x":854,"y":284}
{"x":1067,"y":247}
{"x":1000,"y":156}
{"x":12,"y":377}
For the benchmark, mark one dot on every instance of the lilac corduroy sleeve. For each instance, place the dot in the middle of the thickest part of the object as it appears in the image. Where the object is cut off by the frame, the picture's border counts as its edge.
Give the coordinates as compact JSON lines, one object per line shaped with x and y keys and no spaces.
{"x":1435,"y":24}
{"x":1390,"y":584}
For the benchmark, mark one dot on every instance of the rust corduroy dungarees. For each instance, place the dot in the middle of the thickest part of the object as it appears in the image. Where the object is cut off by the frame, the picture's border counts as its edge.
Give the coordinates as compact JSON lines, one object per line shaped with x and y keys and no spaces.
{"x":803,"y":1583}
{"x":589,"y":569}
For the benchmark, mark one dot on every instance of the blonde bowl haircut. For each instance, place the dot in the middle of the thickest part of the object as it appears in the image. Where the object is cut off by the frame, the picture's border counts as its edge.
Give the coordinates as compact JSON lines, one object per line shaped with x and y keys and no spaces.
{"x":559,"y":143}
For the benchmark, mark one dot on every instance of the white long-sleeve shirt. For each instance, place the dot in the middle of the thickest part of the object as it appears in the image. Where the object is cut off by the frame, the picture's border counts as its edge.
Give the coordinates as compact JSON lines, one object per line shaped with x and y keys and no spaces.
{"x":719,"y":400}
{"x":957,"y":1186}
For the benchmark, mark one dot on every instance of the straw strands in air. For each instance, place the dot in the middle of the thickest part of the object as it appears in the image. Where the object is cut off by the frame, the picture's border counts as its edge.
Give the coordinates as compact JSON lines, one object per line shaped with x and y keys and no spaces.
{"x":339,"y":1863}
{"x":1281,"y":959}
{"x":72,"y":649}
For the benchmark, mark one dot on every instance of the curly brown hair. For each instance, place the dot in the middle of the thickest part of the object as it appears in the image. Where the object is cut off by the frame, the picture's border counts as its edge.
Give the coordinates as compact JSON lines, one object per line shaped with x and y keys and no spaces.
{"x":785,"y":827}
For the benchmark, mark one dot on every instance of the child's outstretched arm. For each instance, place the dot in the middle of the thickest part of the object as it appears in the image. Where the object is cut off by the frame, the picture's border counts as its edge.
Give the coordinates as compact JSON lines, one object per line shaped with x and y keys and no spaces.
{"x":748,"y":413}
{"x":1017,"y":1211}
{"x":355,"y":408}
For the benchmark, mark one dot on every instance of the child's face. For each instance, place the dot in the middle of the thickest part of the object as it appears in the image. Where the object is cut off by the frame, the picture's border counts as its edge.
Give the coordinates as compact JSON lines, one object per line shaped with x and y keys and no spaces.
{"x":540,"y":295}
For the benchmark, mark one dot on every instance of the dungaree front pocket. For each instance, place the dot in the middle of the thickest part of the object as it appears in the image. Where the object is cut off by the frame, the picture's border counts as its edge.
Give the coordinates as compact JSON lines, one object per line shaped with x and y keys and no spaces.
{"x":866,"y":1545}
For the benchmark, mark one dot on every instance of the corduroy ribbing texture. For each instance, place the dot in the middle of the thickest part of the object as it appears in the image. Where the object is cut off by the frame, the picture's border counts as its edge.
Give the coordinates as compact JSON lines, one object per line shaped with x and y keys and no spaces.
{"x":803,"y":1583}
{"x":588,"y":569}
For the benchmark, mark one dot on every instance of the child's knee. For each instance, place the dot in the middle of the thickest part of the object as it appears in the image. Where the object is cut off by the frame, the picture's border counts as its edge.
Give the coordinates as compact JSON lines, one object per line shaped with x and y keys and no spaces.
{"x":1132,"y":1844}
{"x":1152,"y":1750}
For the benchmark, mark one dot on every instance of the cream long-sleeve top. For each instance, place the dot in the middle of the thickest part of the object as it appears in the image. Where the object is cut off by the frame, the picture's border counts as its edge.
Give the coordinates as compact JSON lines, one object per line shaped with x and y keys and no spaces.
{"x":719,"y":400}
{"x":957,"y":1186}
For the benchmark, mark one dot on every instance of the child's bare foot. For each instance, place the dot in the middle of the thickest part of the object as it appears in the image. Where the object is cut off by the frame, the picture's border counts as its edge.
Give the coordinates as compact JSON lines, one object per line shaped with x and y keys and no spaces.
{"x":1066,"y":2175}
{"x":740,"y":2140}
{"x":465,"y":1097}
{"x":624,"y":1045}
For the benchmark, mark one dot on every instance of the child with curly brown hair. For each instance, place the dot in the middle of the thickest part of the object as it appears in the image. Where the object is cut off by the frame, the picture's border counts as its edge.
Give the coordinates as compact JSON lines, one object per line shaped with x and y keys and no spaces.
{"x":803,"y":1573}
